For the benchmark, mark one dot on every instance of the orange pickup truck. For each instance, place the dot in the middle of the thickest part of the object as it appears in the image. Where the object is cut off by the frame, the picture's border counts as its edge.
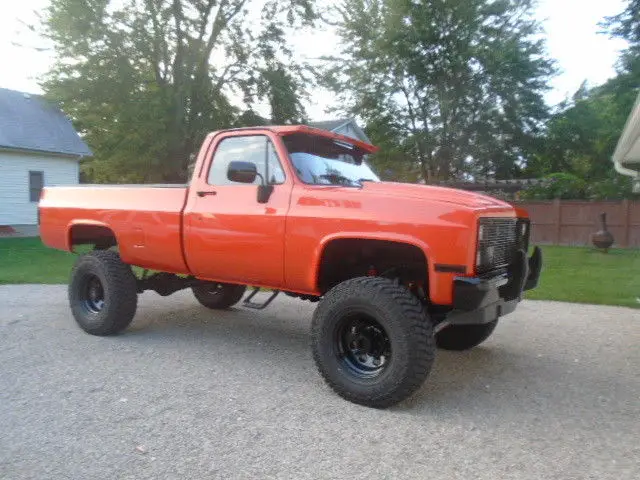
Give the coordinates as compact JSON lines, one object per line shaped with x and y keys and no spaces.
{"x":398,"y":269}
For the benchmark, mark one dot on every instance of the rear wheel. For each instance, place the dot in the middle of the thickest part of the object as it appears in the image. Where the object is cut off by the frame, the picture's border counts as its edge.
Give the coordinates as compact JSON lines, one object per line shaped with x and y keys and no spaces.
{"x":372,"y":341}
{"x":218,"y":295}
{"x":464,"y":337}
{"x":102,"y":293}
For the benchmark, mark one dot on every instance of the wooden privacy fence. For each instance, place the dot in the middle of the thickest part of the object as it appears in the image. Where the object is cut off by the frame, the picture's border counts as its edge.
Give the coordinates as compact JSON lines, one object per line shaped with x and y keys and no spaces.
{"x":571,"y":222}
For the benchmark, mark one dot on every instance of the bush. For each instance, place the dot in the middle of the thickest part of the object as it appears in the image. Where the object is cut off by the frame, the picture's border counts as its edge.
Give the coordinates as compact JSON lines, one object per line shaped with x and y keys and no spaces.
{"x":568,"y":186}
{"x":612,"y":188}
{"x":557,"y":185}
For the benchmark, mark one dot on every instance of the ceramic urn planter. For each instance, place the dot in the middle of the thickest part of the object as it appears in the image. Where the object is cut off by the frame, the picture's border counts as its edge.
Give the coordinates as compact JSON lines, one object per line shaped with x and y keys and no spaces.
{"x":603,"y":238}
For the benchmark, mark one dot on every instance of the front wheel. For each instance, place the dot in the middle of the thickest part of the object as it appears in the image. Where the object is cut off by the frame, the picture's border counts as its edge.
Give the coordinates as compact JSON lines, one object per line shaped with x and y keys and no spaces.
{"x":102,"y":293}
{"x":464,"y":337}
{"x":372,"y":341}
{"x":218,"y":295}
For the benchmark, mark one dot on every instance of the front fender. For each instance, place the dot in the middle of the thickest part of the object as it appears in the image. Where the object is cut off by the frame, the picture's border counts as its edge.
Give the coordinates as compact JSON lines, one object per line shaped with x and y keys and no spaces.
{"x":383,"y":236}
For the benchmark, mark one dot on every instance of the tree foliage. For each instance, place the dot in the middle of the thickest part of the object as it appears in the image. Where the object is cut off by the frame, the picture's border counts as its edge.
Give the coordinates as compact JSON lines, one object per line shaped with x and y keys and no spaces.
{"x":144,"y":80}
{"x":458,"y":83}
{"x":581,"y":137}
{"x":579,"y":141}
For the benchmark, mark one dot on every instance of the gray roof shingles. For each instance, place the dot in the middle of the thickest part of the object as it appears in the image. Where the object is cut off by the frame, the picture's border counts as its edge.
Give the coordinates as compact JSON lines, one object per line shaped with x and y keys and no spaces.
{"x":29,"y":122}
{"x":330,"y":124}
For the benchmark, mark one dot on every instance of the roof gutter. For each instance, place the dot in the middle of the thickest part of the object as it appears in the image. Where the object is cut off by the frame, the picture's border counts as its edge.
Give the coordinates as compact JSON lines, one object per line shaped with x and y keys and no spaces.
{"x":69,"y":155}
{"x":630,"y":135}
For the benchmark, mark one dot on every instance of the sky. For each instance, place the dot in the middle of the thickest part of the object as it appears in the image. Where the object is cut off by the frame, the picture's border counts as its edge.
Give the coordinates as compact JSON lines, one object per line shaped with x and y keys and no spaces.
{"x":571,"y":28}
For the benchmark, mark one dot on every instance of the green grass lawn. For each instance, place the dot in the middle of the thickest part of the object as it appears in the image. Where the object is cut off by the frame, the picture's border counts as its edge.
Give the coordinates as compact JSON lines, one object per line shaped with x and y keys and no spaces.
{"x":585,"y":275}
{"x":570,"y":274}
{"x":27,"y":260}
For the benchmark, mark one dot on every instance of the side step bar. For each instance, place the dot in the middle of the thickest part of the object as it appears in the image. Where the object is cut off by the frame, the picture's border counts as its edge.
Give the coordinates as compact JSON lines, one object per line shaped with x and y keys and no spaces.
{"x":258,"y":306}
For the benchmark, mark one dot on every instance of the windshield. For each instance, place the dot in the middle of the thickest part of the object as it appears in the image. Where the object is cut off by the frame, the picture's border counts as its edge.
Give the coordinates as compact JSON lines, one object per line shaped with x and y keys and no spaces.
{"x":323,"y":161}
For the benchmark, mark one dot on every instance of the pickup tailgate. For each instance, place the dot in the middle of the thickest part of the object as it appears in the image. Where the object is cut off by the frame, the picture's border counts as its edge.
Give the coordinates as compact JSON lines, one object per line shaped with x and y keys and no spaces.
{"x":146,"y":221}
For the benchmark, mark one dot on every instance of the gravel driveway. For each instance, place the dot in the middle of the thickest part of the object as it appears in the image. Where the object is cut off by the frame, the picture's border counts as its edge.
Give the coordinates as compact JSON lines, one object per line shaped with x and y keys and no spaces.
{"x":190,"y":393}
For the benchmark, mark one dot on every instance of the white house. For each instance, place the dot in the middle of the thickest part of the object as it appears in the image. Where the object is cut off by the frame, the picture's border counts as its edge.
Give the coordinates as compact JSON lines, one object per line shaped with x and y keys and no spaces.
{"x":346,"y":126}
{"x":38,"y":147}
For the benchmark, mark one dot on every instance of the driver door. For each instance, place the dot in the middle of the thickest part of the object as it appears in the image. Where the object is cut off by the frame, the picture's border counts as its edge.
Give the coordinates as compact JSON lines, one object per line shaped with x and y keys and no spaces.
{"x":229,"y":235}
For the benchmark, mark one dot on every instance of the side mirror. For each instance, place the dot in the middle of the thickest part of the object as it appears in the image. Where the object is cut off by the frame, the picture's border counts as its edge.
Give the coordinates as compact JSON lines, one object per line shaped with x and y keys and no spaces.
{"x":242,"y":172}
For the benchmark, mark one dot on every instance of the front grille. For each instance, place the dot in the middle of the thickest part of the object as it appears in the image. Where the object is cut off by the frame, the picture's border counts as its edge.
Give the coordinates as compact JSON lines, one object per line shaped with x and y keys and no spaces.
{"x":497,"y":243}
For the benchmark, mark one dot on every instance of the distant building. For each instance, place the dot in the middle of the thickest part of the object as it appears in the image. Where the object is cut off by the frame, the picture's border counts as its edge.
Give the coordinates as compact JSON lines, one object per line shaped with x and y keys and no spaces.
{"x":38,"y":147}
{"x":345,"y":126}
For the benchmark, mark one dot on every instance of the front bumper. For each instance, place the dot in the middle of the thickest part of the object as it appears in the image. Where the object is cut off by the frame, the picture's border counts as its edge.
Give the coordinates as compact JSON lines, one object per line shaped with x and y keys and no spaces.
{"x":482,"y":300}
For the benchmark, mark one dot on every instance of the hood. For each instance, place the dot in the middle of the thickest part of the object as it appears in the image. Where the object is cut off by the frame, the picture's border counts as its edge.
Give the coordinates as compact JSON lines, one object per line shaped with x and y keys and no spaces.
{"x":437,"y":194}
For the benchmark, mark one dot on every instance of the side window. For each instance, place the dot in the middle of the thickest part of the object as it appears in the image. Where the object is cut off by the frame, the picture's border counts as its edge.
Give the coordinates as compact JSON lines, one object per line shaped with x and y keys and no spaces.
{"x":256,"y":149}
{"x":36,"y":184}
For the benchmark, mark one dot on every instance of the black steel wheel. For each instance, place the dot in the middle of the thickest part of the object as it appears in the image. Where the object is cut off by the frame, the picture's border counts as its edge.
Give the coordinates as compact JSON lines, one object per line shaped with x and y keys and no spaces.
{"x":218,"y":295}
{"x":102,"y":293}
{"x":93,"y":295}
{"x":363,"y":345}
{"x":464,"y":337}
{"x":372,"y":341}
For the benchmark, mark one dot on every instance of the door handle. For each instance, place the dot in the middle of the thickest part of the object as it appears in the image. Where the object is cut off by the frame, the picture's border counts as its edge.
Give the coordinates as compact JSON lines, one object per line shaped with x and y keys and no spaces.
{"x":204,"y":193}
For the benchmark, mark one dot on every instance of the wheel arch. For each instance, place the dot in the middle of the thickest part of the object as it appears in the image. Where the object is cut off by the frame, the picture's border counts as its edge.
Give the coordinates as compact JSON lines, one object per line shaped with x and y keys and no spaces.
{"x":81,"y":232}
{"x":403,"y":241}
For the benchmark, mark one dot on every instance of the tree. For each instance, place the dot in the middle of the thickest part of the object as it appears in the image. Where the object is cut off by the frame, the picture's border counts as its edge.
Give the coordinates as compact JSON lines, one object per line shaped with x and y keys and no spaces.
{"x":579,"y":141}
{"x":391,"y":160}
{"x":144,"y":80}
{"x":581,"y":136}
{"x":460,"y":81}
{"x":626,"y":25}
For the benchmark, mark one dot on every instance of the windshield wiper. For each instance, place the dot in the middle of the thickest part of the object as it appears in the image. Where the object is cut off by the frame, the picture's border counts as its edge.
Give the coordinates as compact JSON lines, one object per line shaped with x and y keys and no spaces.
{"x":340,"y":180}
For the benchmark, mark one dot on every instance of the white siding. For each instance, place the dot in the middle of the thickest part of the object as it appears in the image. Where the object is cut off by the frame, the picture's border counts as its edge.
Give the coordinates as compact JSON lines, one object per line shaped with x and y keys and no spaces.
{"x":15,"y":207}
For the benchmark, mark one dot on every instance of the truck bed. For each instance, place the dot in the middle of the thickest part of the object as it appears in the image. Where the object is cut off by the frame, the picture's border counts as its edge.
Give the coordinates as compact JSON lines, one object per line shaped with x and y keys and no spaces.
{"x":145,"y":219}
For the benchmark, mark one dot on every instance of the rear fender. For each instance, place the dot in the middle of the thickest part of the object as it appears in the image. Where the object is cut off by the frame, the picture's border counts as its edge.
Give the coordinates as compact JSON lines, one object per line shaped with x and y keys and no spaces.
{"x":85,"y":223}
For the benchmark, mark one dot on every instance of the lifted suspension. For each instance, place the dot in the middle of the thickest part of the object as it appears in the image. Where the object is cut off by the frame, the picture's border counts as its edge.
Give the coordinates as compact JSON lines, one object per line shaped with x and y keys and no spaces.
{"x":165,"y":283}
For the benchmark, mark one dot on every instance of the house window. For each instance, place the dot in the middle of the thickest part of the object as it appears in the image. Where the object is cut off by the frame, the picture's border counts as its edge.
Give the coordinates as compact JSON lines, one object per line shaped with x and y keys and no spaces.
{"x":36,"y":183}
